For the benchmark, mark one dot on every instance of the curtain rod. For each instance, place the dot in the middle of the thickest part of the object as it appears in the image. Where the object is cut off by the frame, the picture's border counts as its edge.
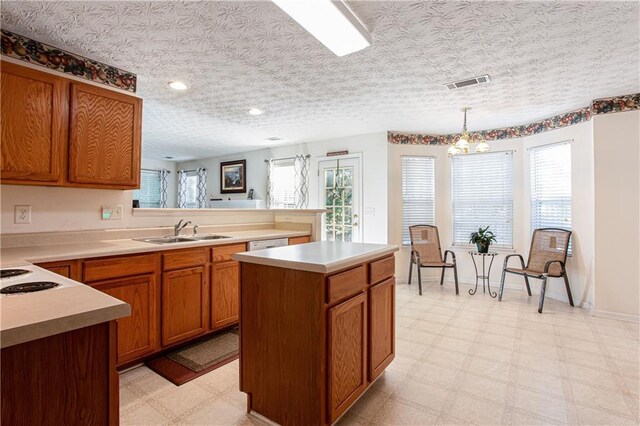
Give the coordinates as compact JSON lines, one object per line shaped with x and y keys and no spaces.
{"x":287,"y":158}
{"x":155,"y":170}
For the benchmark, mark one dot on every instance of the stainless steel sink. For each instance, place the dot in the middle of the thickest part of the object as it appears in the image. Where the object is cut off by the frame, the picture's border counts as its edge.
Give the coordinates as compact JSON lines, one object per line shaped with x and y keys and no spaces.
{"x":207,"y":237}
{"x":180,"y":239}
{"x":166,"y":240}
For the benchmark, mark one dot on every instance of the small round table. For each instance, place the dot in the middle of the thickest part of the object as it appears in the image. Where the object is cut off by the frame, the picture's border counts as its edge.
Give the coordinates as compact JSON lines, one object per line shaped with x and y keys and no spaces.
{"x":485,"y":272}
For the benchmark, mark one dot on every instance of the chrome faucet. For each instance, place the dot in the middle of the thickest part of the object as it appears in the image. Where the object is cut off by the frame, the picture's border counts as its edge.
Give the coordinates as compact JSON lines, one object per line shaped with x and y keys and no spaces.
{"x":195,"y":229}
{"x":180,"y":226}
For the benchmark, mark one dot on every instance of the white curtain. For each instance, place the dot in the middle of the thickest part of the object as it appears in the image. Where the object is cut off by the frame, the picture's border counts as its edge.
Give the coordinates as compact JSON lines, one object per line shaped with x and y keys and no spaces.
{"x":288,"y":182}
{"x":301,"y":168}
{"x":182,"y":189}
{"x":270,"y":188}
{"x":164,"y":186}
{"x":202,"y":188}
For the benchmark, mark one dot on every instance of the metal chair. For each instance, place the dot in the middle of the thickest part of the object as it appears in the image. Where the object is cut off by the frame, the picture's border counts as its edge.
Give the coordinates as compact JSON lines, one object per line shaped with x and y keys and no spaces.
{"x":426,"y":253}
{"x":547,"y":258}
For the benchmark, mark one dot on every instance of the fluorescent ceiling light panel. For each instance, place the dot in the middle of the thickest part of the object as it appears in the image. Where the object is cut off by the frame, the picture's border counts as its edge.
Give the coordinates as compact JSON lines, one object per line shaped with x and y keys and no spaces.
{"x":331,"y":22}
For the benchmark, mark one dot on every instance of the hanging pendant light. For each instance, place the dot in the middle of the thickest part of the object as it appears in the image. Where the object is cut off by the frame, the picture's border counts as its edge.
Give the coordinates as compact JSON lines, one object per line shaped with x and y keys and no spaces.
{"x":462,"y":144}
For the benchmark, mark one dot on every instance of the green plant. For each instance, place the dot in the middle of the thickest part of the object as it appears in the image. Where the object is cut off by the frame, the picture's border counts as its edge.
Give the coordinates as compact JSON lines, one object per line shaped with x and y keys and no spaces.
{"x":482,"y":239}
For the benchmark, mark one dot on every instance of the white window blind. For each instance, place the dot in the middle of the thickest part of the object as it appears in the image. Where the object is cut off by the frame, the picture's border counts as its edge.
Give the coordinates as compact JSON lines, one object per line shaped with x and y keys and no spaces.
{"x":283,"y":185}
{"x":418,"y":193}
{"x":191,"y":189}
{"x":551,"y":186}
{"x":483,"y":196}
{"x":149,"y":193}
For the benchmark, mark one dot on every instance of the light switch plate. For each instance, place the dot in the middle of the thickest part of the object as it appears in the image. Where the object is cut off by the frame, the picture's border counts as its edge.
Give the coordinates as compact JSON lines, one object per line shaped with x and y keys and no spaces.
{"x":22,"y":215}
{"x":112,"y":212}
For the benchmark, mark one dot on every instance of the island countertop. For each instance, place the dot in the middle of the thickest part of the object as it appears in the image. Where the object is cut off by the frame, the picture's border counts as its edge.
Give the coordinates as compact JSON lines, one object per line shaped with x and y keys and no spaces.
{"x":322,"y":257}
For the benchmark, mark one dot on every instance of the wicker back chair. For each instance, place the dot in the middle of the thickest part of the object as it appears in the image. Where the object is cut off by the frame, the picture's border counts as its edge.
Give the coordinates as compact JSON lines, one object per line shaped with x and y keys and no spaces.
{"x":547,"y":258}
{"x":426,"y":253}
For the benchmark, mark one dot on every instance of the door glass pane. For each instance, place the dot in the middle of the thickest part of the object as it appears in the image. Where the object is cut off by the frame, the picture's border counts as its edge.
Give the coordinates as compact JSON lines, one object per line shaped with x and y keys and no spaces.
{"x":338,"y":186}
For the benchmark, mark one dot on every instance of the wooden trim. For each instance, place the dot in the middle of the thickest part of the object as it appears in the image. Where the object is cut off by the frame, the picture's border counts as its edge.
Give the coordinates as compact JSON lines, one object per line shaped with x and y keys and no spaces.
{"x":105,"y":268}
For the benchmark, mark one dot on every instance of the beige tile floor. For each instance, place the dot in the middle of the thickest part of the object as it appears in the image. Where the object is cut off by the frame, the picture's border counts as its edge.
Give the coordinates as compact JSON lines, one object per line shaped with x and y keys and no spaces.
{"x":460,"y":360}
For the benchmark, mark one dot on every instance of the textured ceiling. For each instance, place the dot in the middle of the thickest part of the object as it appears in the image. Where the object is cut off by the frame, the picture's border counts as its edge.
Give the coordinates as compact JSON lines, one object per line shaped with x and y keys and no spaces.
{"x":544,"y":58}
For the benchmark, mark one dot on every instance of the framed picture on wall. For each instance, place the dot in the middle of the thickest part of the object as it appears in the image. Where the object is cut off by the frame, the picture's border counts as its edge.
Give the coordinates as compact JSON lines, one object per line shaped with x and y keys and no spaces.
{"x":233,"y":177}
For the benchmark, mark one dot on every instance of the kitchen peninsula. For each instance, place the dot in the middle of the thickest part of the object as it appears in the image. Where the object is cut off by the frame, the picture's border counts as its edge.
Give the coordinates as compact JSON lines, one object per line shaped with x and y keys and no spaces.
{"x":317,"y":327}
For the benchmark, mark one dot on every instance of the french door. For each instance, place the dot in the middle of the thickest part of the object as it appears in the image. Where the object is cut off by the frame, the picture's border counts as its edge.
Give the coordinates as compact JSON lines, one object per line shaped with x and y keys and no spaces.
{"x":339,"y":191}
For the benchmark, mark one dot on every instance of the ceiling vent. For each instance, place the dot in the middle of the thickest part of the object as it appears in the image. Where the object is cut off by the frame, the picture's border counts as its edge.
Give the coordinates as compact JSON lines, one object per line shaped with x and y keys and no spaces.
{"x":469,"y":82}
{"x":274,"y":138}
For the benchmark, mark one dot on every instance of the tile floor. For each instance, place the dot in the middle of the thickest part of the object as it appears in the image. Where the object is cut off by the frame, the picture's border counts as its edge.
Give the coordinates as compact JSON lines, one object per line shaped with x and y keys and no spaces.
{"x":460,"y":360}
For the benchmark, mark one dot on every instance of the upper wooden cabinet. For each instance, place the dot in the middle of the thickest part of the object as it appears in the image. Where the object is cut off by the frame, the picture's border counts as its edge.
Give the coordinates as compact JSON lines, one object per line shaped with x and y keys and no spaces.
{"x":56,"y":132}
{"x":105,"y":137}
{"x":34,"y":125}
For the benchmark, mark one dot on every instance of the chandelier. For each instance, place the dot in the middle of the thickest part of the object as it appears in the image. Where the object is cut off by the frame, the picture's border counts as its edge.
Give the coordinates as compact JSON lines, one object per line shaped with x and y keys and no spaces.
{"x":462,"y":145}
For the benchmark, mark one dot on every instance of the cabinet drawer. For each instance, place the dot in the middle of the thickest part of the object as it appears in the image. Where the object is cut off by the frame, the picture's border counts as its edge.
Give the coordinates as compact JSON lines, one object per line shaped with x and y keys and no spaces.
{"x":224,"y":253}
{"x":299,"y":240}
{"x":345,"y":284}
{"x":184,"y":258}
{"x":115,"y":267}
{"x":382,"y":269}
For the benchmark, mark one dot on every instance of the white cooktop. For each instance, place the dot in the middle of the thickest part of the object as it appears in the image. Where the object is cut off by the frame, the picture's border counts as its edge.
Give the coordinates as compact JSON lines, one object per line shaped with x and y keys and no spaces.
{"x":35,"y":274}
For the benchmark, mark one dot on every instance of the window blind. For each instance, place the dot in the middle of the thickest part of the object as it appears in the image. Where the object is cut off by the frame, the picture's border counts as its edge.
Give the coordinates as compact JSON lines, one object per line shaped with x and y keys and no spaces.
{"x":283,"y":185}
{"x":418,"y":193}
{"x":551,"y":186}
{"x":149,"y":193}
{"x":482,"y":187}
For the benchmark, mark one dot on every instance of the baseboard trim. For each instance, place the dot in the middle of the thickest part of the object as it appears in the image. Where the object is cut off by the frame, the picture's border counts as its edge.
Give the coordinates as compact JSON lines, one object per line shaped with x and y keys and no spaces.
{"x":616,"y":316}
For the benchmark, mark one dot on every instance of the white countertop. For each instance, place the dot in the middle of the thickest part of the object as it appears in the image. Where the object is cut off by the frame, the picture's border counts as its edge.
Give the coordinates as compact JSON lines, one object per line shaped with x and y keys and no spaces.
{"x":70,"y":306}
{"x":323,"y":256}
{"x":54,"y":252}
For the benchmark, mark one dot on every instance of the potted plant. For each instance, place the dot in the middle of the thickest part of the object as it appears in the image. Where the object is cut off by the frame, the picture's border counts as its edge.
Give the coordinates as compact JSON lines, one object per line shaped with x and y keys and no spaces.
{"x":482,"y":239}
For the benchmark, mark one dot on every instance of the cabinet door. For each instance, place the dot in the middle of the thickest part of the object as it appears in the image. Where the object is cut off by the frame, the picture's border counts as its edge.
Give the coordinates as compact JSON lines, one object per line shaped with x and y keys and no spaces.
{"x":105,"y":138}
{"x":137,"y":333}
{"x":347,"y":354}
{"x":225,"y":294}
{"x":185,"y":304}
{"x":381,"y":327}
{"x":33,"y":121}
{"x":69,"y":268}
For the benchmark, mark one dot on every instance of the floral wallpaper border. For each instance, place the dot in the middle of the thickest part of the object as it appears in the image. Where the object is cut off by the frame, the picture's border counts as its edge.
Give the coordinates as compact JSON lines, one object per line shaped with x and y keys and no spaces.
{"x":598,"y":106}
{"x":37,"y":53}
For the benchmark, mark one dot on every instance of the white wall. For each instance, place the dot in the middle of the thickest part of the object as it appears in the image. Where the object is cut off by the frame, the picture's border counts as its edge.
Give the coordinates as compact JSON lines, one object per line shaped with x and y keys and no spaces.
{"x":580,"y":266}
{"x":617,"y":212}
{"x":256,"y":173}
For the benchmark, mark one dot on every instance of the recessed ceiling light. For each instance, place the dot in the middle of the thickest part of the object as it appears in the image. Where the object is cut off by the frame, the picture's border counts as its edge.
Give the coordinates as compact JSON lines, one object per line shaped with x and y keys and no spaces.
{"x":178,"y":85}
{"x":331,"y":22}
{"x":255,"y":111}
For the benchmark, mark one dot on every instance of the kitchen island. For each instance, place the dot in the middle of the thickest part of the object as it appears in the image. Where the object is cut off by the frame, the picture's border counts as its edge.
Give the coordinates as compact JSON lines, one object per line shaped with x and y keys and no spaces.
{"x":316,"y":327}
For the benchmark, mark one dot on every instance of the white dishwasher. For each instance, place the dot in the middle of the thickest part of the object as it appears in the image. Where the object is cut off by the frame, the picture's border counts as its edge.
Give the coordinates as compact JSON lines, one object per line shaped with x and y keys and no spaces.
{"x":265,"y":244}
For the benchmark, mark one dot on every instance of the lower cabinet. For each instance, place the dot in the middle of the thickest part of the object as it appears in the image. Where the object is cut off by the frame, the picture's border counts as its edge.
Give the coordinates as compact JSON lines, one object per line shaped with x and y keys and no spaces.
{"x":67,"y":269}
{"x":137,"y":334}
{"x":225,"y":294}
{"x":381,"y":327}
{"x":347,"y":331}
{"x":185,"y":304}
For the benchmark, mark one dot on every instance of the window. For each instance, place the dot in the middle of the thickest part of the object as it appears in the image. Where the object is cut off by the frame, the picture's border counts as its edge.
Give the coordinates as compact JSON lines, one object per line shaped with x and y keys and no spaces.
{"x":483,"y":196}
{"x":283,"y":187}
{"x":551,"y":186}
{"x":192,"y":189}
{"x":149,"y":194}
{"x":418,"y":193}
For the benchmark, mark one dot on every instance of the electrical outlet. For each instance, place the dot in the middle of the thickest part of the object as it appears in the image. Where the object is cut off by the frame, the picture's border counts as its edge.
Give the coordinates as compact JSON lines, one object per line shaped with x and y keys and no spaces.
{"x":22,"y":215}
{"x":112,"y":212}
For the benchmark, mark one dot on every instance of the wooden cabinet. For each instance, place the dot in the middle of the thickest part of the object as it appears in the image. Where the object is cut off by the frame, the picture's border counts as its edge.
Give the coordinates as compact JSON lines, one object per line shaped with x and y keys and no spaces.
{"x":58,"y":132}
{"x":137,"y":334}
{"x":381,"y":327}
{"x":347,"y":337}
{"x":225,"y":294}
{"x":33,"y":125}
{"x":299,"y":240}
{"x":105,"y":137}
{"x":185,"y":304}
{"x":67,"y":268}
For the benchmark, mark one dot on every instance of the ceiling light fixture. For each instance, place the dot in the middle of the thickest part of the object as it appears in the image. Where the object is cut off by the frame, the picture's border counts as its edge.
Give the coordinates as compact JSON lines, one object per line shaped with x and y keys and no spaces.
{"x":255,"y":111}
{"x":178,"y":85}
{"x":331,"y":22}
{"x":462,"y":145}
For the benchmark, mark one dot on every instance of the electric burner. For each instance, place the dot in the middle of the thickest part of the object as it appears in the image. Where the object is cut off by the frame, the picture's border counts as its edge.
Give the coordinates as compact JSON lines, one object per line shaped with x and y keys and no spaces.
{"x":28,"y":287}
{"x":8,"y":273}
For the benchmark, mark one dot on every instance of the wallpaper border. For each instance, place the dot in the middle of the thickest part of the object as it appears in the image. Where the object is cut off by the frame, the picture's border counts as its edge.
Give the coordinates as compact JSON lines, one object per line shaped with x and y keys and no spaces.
{"x":50,"y":57}
{"x":598,"y":106}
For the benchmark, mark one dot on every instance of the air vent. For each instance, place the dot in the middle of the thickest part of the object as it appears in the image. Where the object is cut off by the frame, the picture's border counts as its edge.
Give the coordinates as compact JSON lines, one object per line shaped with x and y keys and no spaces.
{"x":274,"y":138}
{"x":469,"y":82}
